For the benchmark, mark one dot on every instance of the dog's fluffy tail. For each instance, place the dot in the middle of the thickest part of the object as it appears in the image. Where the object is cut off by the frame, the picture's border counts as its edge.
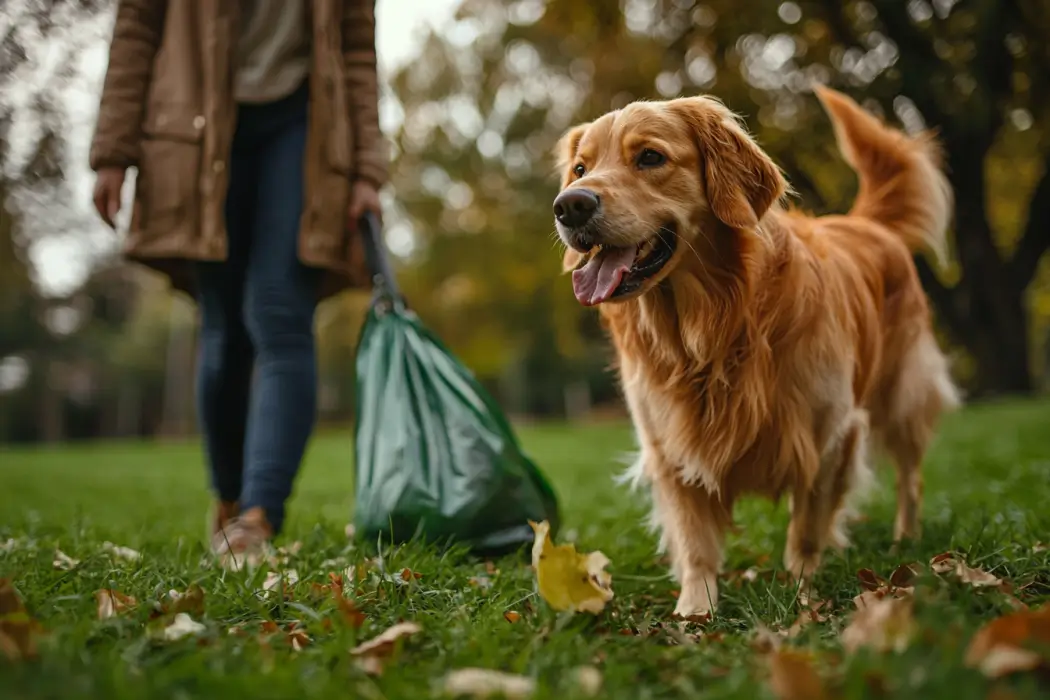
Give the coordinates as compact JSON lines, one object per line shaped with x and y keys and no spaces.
{"x":902,"y":185}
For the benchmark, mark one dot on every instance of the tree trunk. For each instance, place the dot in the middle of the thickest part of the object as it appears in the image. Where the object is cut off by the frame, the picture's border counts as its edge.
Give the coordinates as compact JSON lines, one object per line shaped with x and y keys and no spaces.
{"x":985,"y":310}
{"x":996,"y":334}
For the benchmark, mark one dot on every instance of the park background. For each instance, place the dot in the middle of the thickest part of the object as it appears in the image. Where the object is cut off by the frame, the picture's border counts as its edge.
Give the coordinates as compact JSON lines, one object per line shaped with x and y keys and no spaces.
{"x":475,"y":93}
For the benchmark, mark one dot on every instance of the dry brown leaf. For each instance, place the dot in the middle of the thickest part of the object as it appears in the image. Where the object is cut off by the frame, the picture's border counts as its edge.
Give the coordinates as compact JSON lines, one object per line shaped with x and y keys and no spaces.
{"x":806,"y":617}
{"x":125,"y":553}
{"x":371,"y":654}
{"x":182,"y":626}
{"x":588,"y":680}
{"x":904,"y":576}
{"x":1002,"y":646}
{"x":950,"y":563}
{"x":482,"y":582}
{"x":297,"y":637}
{"x":1039,"y":547}
{"x":348,"y":611}
{"x":111,"y":603}
{"x":870,"y":580}
{"x":765,"y":640}
{"x":792,"y":676}
{"x":882,"y":624}
{"x":407,"y":575}
{"x":190,"y":601}
{"x":64,"y":562}
{"x":483,"y":683}
{"x":511,"y":616}
{"x":18,"y":631}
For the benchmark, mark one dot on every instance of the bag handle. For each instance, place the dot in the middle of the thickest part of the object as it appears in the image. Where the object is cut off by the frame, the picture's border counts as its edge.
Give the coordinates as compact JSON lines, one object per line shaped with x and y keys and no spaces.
{"x":383,"y":280}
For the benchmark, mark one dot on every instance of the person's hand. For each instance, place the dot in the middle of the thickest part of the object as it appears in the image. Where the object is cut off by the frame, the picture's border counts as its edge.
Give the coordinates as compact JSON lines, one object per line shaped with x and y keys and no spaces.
{"x":108,"y":183}
{"x":363,"y":198}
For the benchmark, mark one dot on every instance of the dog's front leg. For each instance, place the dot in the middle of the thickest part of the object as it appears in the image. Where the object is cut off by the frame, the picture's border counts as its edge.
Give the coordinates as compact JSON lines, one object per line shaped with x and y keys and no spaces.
{"x":692,"y":524}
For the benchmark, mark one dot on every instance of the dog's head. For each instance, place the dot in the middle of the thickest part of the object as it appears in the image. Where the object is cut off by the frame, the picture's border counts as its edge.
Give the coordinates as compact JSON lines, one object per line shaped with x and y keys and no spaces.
{"x":640,"y":186}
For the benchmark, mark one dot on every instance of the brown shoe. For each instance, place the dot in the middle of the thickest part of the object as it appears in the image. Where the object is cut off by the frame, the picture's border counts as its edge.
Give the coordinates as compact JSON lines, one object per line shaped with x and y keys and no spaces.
{"x":220,"y":513}
{"x":243,"y":541}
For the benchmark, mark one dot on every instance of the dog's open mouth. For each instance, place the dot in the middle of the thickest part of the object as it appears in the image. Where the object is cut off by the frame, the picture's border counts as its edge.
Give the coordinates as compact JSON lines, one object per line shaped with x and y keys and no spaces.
{"x":610,"y":272}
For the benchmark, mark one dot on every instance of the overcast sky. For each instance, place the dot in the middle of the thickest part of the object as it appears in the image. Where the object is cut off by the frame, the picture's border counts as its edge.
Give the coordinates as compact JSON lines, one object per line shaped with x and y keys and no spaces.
{"x":63,"y":260}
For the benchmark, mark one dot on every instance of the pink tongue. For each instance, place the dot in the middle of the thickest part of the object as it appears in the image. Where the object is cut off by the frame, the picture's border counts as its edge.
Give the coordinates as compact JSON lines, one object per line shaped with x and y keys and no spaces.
{"x":596,"y":281}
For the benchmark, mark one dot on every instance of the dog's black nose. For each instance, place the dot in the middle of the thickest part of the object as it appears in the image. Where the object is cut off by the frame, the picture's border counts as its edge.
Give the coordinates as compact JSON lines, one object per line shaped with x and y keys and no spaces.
{"x":575,"y":207}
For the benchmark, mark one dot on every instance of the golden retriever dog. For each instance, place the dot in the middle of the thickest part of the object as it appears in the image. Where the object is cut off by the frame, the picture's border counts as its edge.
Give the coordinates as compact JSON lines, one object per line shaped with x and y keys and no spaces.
{"x":758,"y":346}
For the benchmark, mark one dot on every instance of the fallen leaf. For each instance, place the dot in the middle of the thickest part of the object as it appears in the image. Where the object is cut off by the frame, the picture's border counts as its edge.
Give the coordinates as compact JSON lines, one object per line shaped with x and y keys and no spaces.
{"x":511,"y":616}
{"x":490,"y":568}
{"x":870,"y":580}
{"x":883,"y":624}
{"x":950,"y":563}
{"x":588,"y":680}
{"x":298,"y":639}
{"x":792,"y":676}
{"x":182,"y":626}
{"x":765,"y":641}
{"x":1039,"y":547}
{"x":17,"y":629}
{"x":283,"y":580}
{"x":64,"y":562}
{"x":111,"y":603}
{"x":350,"y":531}
{"x":483,"y":683}
{"x":189,"y":601}
{"x":807,"y":616}
{"x":13,"y":544}
{"x":567,"y":579}
{"x":371,"y":654}
{"x":125,"y":553}
{"x":407,"y":575}
{"x":904,"y":576}
{"x":348,"y":611}
{"x":337,"y":563}
{"x":1002,"y":646}
{"x":482,"y":582}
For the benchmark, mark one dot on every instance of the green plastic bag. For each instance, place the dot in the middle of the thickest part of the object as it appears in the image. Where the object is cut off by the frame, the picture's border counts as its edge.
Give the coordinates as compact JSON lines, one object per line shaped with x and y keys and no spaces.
{"x":435,"y":458}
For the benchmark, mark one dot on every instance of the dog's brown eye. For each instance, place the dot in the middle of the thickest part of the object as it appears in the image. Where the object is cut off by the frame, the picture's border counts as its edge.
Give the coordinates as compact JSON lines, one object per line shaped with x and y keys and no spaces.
{"x":579,"y":170}
{"x":650,"y":158}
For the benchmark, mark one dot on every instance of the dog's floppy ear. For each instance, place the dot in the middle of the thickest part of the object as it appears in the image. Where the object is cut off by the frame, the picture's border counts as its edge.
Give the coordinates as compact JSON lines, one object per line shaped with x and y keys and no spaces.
{"x":565,"y":150}
{"x":742,"y":181}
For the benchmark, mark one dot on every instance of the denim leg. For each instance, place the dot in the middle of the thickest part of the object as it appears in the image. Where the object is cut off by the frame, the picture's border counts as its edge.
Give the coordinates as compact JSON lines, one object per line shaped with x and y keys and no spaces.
{"x":279,"y":305}
{"x":225,"y":353}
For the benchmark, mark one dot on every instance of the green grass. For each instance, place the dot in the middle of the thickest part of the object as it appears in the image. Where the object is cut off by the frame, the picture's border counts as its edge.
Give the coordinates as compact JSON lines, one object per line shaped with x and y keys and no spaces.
{"x":987,"y":496}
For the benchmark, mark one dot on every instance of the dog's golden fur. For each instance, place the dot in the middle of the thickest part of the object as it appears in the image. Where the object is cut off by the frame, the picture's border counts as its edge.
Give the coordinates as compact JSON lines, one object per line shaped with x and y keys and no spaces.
{"x":762,"y":354}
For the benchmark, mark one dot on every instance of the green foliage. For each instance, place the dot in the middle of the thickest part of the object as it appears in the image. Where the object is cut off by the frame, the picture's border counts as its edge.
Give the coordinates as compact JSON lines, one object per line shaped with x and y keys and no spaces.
{"x":487,"y":100}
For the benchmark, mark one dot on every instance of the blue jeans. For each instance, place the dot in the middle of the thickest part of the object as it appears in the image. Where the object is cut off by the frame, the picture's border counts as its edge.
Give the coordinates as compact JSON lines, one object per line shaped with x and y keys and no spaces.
{"x":257,"y":312}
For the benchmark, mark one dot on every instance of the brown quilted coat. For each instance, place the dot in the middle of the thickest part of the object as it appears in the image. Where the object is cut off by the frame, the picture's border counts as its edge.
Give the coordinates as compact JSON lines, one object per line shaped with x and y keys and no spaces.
{"x":167,"y":108}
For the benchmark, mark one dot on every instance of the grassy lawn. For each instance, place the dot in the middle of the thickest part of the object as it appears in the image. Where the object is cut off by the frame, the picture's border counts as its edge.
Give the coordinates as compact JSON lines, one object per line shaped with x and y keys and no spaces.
{"x":987,"y":498}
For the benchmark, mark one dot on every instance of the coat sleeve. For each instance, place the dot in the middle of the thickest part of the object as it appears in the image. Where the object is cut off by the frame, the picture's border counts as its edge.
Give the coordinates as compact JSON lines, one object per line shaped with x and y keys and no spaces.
{"x":371,"y":157}
{"x":136,"y":36}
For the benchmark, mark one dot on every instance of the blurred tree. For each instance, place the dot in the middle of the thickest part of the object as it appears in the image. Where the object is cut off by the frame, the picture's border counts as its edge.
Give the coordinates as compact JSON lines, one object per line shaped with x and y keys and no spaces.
{"x":490,"y":95}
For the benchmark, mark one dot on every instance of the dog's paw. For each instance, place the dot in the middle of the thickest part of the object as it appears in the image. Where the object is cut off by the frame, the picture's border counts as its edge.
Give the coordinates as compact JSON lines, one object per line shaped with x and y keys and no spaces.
{"x":801,"y":566}
{"x":697,"y":600}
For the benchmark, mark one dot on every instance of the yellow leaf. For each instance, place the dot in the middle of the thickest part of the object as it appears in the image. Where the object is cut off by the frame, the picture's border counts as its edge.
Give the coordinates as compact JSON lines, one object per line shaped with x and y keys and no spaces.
{"x":567,"y":579}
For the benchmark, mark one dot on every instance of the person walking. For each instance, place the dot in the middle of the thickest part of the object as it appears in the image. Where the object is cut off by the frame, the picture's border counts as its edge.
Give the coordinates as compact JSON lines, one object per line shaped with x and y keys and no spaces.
{"x":253,"y":126}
